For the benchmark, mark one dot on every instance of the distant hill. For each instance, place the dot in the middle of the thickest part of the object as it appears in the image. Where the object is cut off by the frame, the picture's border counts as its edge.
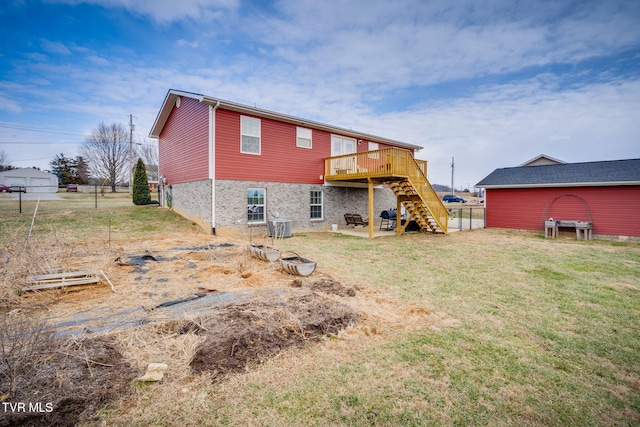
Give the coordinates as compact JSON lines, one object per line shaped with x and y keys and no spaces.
{"x":439,"y":188}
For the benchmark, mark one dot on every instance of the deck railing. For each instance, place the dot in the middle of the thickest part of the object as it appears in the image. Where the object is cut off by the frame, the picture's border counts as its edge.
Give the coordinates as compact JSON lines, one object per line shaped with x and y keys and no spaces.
{"x":372,"y":164}
{"x":389,"y":163}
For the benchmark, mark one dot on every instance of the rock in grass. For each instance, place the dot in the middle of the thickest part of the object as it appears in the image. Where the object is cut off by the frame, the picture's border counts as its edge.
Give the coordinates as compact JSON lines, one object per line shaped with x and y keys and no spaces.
{"x":155,"y":372}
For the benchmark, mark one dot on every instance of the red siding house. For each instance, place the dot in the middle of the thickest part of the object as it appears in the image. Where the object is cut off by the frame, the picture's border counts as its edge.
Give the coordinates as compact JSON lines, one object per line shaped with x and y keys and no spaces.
{"x":229,"y":166}
{"x":605,"y":193}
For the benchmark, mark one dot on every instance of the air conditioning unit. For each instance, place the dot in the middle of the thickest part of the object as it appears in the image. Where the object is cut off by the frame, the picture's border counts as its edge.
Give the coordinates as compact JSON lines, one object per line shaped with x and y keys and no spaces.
{"x":280,"y":228}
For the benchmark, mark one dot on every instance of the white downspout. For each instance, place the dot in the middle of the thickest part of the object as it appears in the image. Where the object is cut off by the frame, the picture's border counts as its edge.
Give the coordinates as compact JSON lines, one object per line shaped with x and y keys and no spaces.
{"x":212,"y":162}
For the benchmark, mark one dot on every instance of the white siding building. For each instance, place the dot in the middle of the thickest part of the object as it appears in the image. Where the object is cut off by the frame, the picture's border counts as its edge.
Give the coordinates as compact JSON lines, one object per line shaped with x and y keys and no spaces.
{"x":34,"y":180}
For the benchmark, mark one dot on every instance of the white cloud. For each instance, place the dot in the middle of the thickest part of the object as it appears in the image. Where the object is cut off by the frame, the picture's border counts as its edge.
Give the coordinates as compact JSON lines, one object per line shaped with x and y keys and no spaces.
{"x":98,"y":60}
{"x":56,"y":48}
{"x":595,"y":122}
{"x":342,"y":63}
{"x":8,"y":104}
{"x":165,"y":11}
{"x":398,"y":44}
{"x":184,"y":43}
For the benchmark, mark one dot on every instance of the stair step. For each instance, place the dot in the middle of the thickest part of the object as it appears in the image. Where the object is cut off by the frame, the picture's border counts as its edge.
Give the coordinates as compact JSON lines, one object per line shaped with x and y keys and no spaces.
{"x":414,"y":204}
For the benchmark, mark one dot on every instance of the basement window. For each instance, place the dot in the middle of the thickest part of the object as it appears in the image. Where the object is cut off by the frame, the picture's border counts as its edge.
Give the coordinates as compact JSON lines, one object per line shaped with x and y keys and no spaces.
{"x":316,"y":204}
{"x":256,"y":202}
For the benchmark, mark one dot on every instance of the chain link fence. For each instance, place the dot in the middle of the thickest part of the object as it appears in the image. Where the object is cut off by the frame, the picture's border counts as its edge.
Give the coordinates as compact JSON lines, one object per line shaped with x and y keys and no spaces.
{"x":467,"y":218}
{"x":24,"y":199}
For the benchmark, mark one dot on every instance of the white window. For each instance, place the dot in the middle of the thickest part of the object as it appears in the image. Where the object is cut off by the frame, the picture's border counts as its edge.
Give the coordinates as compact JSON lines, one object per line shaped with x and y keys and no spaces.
{"x":316,"y":204}
{"x":373,"y":146}
{"x":303,"y":137}
{"x":256,"y":202}
{"x":250,"y":135}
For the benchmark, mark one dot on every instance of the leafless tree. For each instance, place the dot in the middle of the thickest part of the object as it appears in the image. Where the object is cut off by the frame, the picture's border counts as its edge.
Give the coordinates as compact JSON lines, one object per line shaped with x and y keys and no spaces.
{"x":106,"y":150}
{"x":148,"y":152}
{"x":4,"y":160}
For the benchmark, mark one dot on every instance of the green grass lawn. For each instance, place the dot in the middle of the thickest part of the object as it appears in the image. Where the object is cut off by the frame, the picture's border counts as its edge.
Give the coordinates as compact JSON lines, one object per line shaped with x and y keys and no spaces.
{"x":518,"y":330}
{"x":540,"y":332}
{"x":86,"y":216}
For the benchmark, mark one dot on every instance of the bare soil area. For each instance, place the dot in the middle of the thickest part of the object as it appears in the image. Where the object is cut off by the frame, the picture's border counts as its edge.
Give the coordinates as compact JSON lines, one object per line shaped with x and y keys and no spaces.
{"x":202,"y":307}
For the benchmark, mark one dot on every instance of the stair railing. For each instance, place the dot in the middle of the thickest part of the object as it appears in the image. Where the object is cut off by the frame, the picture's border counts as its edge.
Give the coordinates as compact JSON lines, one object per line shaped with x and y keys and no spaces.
{"x":421,"y":184}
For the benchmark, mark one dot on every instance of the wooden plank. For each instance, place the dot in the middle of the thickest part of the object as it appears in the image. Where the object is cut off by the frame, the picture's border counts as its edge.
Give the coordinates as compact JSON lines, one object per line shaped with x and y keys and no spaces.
{"x":64,"y":275}
{"x":568,"y":223}
{"x":113,"y":289}
{"x":85,"y":281}
{"x":62,"y":280}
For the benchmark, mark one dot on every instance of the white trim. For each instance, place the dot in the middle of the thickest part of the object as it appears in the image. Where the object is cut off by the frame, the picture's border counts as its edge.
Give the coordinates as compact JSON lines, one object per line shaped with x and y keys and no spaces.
{"x":212,"y":161}
{"x":264,"y":205}
{"x":298,"y":136}
{"x":373,"y":146}
{"x":543,"y":156}
{"x":342,"y":139}
{"x":167,"y":106}
{"x":259,"y":135}
{"x":321,"y":204}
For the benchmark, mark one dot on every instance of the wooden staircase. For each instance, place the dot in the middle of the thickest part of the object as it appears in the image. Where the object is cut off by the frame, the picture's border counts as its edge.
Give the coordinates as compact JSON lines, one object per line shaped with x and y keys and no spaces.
{"x":405,"y":175}
{"x":412,"y":202}
{"x":428,"y":216}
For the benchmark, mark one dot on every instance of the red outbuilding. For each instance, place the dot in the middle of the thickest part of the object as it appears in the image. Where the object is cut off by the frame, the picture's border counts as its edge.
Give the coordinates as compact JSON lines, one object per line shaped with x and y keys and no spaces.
{"x":605,"y":194}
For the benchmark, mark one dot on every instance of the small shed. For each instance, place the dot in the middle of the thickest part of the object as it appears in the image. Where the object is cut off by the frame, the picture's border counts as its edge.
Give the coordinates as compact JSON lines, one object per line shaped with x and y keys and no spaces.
{"x":35,"y":181}
{"x":605,"y":193}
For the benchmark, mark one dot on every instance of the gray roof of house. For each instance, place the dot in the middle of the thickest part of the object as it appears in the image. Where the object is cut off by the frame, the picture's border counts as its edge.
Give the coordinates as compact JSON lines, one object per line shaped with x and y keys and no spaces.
{"x":605,"y":173}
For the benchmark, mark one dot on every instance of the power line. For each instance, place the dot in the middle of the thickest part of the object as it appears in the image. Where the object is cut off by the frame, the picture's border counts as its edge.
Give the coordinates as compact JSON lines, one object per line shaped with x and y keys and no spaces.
{"x":32,"y":129}
{"x":37,"y":142}
{"x":30,"y":160}
{"x":149,"y":144}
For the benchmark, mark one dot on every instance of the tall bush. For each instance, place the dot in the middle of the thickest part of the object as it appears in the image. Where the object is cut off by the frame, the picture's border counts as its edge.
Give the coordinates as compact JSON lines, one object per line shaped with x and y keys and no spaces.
{"x":141,"y":192}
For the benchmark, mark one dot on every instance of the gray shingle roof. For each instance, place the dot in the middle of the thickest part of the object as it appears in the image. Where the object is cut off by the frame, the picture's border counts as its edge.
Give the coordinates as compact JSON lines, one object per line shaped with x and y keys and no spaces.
{"x":614,"y":172}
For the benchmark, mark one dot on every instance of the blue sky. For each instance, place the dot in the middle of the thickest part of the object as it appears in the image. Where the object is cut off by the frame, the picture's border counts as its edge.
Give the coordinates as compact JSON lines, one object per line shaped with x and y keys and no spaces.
{"x":492,"y":83}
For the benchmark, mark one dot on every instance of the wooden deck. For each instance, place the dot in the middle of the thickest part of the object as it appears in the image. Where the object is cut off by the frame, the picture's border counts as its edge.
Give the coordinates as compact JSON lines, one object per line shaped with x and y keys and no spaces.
{"x":382,"y":165}
{"x":406,"y":176}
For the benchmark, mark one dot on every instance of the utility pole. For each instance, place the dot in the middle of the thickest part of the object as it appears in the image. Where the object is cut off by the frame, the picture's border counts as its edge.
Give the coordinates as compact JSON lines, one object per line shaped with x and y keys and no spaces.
{"x":452,"y":167}
{"x":131,"y":153}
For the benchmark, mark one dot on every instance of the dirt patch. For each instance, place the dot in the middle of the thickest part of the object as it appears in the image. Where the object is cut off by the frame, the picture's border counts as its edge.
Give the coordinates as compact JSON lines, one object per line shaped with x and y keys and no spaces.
{"x":67,"y":383}
{"x":248,"y":333}
{"x":160,"y":288}
{"x":329,"y":286}
{"x":75,"y":377}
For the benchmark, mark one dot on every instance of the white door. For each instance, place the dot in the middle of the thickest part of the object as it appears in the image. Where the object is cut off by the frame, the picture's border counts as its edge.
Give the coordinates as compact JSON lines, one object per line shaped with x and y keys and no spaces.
{"x":341,"y":145}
